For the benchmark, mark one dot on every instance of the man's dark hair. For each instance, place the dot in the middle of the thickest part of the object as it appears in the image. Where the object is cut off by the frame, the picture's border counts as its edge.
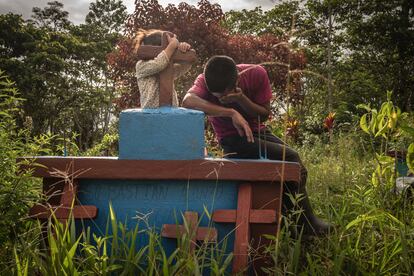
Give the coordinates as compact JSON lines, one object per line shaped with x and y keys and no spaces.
{"x":220,"y":74}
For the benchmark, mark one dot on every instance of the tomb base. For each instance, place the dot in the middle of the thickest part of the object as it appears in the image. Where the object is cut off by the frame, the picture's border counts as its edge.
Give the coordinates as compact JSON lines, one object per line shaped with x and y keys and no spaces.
{"x":161,"y":134}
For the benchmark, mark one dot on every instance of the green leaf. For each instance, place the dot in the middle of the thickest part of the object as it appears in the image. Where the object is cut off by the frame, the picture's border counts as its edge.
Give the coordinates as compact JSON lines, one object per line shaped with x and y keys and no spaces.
{"x":67,"y":262}
{"x":410,"y":157}
{"x":363,"y":123}
{"x":207,"y":212}
{"x":374,"y":121}
{"x":394,"y":219}
{"x":374,"y":179}
{"x":18,"y":264}
{"x":52,"y":244}
{"x":165,"y":269}
{"x":385,"y":159}
{"x":382,"y":128}
{"x":407,"y":129}
{"x":389,"y":95}
{"x":227,"y":261}
{"x":375,"y":217}
{"x":364,"y":106}
{"x":114,"y":226}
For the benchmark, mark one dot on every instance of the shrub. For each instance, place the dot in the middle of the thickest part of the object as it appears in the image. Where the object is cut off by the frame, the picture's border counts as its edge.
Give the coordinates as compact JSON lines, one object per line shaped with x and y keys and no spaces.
{"x":18,"y":190}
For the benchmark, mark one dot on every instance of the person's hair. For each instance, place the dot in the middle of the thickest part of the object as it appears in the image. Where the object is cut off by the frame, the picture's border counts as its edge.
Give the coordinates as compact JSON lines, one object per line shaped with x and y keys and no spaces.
{"x":220,"y":73}
{"x":147,"y":37}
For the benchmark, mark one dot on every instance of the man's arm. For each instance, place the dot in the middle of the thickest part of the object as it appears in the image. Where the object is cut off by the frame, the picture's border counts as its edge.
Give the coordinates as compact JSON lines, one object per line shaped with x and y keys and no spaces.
{"x":251,"y":108}
{"x":194,"y":102}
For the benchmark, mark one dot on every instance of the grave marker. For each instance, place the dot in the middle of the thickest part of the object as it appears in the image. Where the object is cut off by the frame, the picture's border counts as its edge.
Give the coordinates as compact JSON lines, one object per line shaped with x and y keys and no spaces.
{"x":167,"y":75}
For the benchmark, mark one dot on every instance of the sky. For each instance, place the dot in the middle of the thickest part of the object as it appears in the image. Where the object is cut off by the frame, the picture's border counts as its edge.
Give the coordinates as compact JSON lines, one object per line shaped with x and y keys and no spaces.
{"x":78,"y":8}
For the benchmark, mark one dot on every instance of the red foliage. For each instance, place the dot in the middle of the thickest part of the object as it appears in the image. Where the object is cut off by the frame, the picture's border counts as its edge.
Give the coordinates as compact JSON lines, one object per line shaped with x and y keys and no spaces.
{"x":200,"y":26}
{"x":329,"y":121}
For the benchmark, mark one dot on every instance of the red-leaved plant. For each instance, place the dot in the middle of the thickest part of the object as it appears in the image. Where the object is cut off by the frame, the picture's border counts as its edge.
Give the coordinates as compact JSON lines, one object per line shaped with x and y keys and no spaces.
{"x":200,"y":26}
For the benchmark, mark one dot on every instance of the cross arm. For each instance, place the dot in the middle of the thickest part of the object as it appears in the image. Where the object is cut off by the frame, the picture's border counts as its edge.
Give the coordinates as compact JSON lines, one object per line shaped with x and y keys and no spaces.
{"x":149,"y":52}
{"x":202,"y":234}
{"x":255,"y":216}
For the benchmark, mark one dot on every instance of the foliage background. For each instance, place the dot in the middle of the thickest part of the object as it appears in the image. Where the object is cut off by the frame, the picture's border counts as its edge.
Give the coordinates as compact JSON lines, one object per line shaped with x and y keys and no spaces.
{"x":66,"y":84}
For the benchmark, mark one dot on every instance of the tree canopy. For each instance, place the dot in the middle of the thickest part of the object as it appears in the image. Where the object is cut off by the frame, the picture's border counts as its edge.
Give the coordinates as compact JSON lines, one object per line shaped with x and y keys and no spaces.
{"x":201,"y":27}
{"x":321,"y":56}
{"x":60,"y":69}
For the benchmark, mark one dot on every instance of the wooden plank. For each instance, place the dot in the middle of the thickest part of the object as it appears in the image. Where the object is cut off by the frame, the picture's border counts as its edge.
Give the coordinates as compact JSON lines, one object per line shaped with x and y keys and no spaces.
{"x":78,"y":212}
{"x":166,"y":76}
{"x":265,"y":196}
{"x":263,"y":216}
{"x":256,"y":216}
{"x":149,"y":52}
{"x":172,"y":231}
{"x":191,"y":219}
{"x":242,"y":235}
{"x":53,"y":189}
{"x":166,"y":85}
{"x":190,"y":228}
{"x":224,"y":216}
{"x":203,"y":233}
{"x":70,"y":191}
{"x":207,"y":234}
{"x":262,"y":221}
{"x":203,"y":169}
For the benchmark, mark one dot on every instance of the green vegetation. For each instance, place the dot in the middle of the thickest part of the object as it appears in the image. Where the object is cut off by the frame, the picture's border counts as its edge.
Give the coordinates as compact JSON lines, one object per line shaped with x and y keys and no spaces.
{"x":115,"y":252}
{"x":373,"y":235}
{"x":374,"y":225}
{"x":18,"y":191}
{"x":59,"y":94}
{"x":60,"y":69}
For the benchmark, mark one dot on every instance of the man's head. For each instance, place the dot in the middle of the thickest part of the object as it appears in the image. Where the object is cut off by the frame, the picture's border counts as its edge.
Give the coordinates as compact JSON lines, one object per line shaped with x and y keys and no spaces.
{"x":220,"y":74}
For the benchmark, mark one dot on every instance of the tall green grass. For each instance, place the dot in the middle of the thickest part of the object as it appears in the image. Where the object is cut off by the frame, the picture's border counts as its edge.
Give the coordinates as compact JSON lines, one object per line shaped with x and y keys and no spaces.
{"x":62,"y":252}
{"x":374,"y":233}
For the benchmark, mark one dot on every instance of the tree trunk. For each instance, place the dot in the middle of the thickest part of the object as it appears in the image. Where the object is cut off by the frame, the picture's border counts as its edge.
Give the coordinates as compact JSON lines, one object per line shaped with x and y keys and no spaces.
{"x":404,"y":87}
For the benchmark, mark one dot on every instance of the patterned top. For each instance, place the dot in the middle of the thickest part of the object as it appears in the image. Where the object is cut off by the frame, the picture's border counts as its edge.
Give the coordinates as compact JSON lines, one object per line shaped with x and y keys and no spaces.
{"x":148,"y":79}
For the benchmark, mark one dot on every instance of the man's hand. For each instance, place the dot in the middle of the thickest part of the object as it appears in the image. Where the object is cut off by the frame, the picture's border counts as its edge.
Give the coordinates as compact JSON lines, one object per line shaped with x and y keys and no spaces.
{"x":233,"y":97}
{"x":184,"y":47}
{"x":242,"y":126}
{"x":193,"y":101}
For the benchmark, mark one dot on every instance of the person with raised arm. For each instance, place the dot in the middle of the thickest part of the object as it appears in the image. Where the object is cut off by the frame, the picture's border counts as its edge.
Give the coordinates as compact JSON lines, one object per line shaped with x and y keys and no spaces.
{"x":147,"y":71}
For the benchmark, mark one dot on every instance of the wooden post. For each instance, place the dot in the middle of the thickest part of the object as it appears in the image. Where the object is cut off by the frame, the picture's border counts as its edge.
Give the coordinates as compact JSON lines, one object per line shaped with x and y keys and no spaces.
{"x":243,"y":217}
{"x":63,"y":210}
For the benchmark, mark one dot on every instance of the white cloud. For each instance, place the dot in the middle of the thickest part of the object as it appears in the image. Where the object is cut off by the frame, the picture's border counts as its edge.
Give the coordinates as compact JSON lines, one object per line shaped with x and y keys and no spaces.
{"x":79,"y":8}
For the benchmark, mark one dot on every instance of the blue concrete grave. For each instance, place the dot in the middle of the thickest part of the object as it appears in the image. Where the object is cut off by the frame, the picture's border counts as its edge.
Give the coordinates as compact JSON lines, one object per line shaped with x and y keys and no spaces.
{"x":160,"y":174}
{"x":159,"y":134}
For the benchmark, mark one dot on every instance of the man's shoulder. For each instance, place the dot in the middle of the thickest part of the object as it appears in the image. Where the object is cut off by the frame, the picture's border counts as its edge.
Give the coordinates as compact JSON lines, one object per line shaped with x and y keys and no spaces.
{"x":200,"y":76}
{"x":251,"y":68}
{"x":200,"y":80}
{"x":199,"y":86}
